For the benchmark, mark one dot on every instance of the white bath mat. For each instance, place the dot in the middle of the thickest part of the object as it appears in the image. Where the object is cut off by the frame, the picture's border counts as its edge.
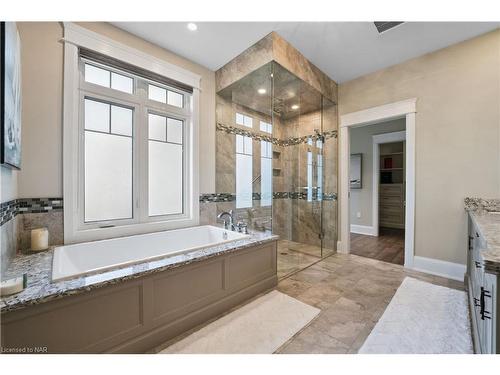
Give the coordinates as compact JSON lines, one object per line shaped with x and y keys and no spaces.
{"x":422,"y":318}
{"x":259,"y":327}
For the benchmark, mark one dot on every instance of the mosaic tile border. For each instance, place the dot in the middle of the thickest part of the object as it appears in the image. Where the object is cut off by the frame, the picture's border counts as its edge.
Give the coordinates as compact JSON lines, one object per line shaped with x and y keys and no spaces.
{"x":10,"y":209}
{"x":276,"y":141}
{"x":229,"y":197}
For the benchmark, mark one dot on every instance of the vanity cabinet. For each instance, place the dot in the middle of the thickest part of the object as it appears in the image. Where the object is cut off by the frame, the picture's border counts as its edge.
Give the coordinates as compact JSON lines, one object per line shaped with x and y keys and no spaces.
{"x":483,"y":296}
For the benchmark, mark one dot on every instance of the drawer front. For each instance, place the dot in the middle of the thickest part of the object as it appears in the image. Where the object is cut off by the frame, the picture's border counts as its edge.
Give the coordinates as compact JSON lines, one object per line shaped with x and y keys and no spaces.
{"x":391,"y":189}
{"x":391,"y":219}
{"x":391,"y":200}
{"x":386,"y":209}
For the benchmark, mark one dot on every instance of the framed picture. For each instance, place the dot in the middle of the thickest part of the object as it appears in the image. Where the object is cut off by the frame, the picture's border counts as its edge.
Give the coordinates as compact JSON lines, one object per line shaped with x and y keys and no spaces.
{"x":10,"y":95}
{"x":355,"y":171}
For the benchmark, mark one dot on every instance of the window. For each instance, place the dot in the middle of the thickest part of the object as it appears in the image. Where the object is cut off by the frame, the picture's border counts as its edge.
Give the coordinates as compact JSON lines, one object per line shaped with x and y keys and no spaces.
{"x":165,"y":96}
{"x":243,"y":171}
{"x":165,"y":165}
{"x":113,"y":124}
{"x":319,"y":146}
{"x":244,"y":120}
{"x":134,"y":165}
{"x":130,"y":140}
{"x":108,"y":161}
{"x":265,"y":127}
{"x":107,"y":78}
{"x":309,"y":172}
{"x":266,"y":173}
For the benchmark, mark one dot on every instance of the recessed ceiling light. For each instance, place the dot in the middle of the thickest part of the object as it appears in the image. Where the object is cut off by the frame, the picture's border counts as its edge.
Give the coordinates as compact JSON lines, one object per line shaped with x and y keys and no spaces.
{"x":192,"y":26}
{"x":261,"y":91}
{"x":295,"y":106}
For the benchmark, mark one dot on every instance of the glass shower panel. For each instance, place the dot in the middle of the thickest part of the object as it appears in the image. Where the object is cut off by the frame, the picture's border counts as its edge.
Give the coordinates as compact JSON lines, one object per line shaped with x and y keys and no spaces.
{"x":276,"y":162}
{"x":245,"y":148}
{"x":329,"y":189}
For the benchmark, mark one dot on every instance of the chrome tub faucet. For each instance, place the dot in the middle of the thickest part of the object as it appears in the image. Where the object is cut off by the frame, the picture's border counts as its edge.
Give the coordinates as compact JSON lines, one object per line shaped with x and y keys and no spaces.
{"x":229,"y":222}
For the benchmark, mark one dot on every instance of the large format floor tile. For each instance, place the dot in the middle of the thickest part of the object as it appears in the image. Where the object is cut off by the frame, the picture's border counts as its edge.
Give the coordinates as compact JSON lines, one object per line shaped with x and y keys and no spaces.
{"x":352,"y":293}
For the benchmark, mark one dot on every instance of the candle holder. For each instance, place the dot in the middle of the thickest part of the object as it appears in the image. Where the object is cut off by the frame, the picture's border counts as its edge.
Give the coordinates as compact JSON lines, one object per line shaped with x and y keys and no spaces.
{"x":39,"y":239}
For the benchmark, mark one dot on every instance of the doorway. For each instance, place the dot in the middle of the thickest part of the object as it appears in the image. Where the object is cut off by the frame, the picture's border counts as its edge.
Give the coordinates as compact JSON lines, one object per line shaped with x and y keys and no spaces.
{"x":377,"y":190}
{"x":404,"y":110}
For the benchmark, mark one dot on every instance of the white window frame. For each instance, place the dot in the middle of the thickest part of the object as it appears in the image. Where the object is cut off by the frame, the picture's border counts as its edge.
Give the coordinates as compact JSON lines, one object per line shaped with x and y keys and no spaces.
{"x":74,"y":228}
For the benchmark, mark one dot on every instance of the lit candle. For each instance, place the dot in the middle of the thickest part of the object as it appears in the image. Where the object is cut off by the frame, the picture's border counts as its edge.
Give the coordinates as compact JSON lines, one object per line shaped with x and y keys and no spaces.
{"x":39,"y":239}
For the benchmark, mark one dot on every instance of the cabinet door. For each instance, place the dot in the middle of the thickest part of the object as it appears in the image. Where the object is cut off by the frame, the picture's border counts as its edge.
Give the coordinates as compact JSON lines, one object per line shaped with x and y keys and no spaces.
{"x":489,"y":313}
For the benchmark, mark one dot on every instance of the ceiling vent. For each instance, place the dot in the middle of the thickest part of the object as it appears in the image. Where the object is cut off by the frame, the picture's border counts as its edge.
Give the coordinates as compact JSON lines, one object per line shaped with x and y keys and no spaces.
{"x":383,"y":26}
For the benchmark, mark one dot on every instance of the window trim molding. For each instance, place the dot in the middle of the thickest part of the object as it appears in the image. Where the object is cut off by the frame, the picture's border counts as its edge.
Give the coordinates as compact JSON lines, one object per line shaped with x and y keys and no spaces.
{"x":75,"y":37}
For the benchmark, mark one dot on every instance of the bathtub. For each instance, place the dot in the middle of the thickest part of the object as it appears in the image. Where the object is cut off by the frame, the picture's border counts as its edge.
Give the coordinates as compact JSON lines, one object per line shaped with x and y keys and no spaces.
{"x":93,"y":257}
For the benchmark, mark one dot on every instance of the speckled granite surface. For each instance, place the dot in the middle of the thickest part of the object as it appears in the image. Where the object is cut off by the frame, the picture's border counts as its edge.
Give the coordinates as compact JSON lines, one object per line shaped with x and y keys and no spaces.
{"x":39,"y":269}
{"x":482,"y":212}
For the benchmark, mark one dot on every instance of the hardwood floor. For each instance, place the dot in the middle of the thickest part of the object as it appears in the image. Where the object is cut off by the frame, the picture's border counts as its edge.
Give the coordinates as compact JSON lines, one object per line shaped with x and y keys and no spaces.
{"x":387,"y":247}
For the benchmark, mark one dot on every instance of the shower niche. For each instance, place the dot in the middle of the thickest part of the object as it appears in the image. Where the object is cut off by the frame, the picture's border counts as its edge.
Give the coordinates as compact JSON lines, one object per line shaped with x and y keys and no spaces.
{"x":276,"y":151}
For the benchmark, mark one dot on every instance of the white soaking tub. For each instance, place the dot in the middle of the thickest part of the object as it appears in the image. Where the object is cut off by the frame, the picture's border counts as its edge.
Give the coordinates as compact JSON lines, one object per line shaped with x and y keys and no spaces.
{"x":92,"y":257}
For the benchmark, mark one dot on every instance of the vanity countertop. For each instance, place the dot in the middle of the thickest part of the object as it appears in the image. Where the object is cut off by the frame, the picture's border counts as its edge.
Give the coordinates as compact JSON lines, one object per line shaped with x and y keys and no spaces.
{"x":486,"y":215}
{"x":39,"y":269}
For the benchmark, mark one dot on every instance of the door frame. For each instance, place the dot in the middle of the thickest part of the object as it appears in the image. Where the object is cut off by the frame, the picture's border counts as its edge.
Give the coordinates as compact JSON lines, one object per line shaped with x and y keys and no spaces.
{"x":402,"y":109}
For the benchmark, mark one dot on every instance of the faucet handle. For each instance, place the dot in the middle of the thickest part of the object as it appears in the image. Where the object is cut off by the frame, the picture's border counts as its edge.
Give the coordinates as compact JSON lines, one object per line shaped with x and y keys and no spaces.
{"x":242,"y":227}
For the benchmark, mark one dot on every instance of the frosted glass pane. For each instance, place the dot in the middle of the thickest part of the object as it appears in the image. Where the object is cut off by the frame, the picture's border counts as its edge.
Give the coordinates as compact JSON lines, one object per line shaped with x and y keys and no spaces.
{"x":108,"y":177}
{"x":320,"y":177}
{"x":165,"y":178}
{"x":122,"y":83}
{"x":247,"y":145}
{"x":265,"y":127}
{"x":248,"y":121}
{"x":309,"y":176}
{"x":239,"y":119}
{"x":96,"y":75}
{"x":174,"y":130}
{"x":175,"y":99}
{"x":96,"y":116}
{"x":121,"y":120}
{"x":243,"y":181}
{"x":265,"y":149}
{"x":157,"y":127}
{"x":157,"y":93}
{"x":266,"y":172}
{"x":239,"y":143}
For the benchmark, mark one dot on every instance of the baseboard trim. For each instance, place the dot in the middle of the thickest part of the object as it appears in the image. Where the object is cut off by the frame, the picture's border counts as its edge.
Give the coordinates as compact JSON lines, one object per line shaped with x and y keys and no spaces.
{"x":340,"y":248}
{"x":363,"y":229}
{"x":438,"y":267}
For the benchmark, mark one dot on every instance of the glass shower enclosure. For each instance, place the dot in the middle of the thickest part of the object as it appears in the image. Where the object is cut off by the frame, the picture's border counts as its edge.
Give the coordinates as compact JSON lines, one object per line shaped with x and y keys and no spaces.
{"x":276,"y":162}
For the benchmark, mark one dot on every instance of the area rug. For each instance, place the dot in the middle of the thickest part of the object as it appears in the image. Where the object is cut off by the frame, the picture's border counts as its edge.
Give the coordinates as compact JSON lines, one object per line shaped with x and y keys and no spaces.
{"x":259,"y":327}
{"x":422,"y":318}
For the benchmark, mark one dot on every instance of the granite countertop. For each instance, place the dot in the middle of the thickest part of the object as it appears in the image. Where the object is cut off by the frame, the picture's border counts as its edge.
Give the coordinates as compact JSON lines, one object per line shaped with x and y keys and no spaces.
{"x":39,"y":269}
{"x":488,"y":224}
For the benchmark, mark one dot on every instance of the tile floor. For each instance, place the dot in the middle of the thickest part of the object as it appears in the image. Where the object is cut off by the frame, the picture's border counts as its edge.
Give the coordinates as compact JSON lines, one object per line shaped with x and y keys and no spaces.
{"x":294,"y":256}
{"x":352,"y":293}
{"x":388,"y":246}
